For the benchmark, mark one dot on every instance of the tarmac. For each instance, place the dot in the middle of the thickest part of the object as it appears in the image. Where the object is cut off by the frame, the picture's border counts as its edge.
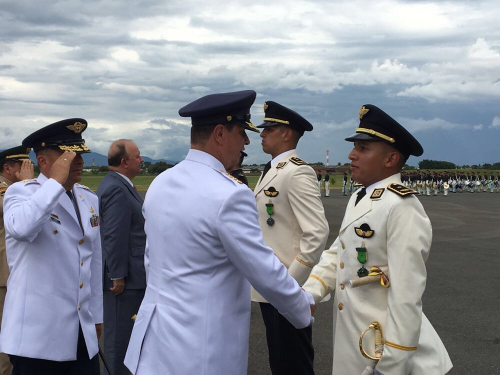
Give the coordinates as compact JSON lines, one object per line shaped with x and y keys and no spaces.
{"x":462,"y":298}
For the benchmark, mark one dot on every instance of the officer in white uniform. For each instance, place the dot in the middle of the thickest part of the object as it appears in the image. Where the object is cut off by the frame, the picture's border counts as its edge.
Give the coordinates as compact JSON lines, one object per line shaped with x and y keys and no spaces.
{"x":386,"y":226}
{"x":293,"y":222}
{"x":53,"y":309}
{"x":204,"y":249}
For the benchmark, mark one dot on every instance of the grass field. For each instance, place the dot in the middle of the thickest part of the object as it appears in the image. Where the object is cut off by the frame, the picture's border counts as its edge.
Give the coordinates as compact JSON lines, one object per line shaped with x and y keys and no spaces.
{"x":143,"y":181}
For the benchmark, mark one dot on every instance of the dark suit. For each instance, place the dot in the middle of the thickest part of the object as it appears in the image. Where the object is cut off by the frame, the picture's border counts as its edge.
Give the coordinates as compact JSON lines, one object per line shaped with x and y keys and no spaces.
{"x":123,"y":243}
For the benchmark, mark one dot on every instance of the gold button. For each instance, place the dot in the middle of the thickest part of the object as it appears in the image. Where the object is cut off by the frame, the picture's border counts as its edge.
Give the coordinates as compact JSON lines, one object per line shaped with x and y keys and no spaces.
{"x":79,"y":307}
{"x":81,"y":242}
{"x":81,"y":263}
{"x":342,"y":286}
{"x":341,"y":306}
{"x":81,"y":285}
{"x":341,"y":265}
{"x":343,"y":246}
{"x":55,"y":231}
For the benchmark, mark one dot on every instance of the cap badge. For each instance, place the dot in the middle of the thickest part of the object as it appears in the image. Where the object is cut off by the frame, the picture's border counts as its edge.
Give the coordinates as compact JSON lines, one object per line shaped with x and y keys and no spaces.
{"x":265,"y":106}
{"x":77,"y":127}
{"x":363,"y":111}
{"x":229,"y":118}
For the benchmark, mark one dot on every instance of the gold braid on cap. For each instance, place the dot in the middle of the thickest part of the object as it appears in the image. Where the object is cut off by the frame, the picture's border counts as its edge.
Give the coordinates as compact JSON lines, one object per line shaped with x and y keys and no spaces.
{"x":376,"y":134}
{"x":270,"y":119}
{"x":18,"y":156}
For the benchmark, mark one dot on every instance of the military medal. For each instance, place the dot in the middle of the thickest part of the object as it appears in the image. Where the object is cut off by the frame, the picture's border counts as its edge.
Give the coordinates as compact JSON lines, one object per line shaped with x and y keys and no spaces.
{"x":364,"y":231}
{"x":362,"y":258}
{"x":270,"y":211}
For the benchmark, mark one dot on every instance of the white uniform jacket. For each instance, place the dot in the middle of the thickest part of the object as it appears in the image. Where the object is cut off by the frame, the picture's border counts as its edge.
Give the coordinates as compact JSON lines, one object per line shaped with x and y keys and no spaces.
{"x":300,"y":231}
{"x":55,"y":280}
{"x":204,"y":247}
{"x":400,"y":243}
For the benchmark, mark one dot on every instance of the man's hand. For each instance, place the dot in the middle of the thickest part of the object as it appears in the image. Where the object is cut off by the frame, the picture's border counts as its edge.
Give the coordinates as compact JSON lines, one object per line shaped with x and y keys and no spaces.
{"x":118,"y":286}
{"x":313,"y":309}
{"x":98,"y":330}
{"x":27,"y":171}
{"x":60,"y":168}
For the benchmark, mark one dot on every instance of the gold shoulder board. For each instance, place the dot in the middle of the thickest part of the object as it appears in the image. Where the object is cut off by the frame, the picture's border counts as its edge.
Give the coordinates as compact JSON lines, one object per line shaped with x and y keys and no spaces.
{"x":85,"y":187}
{"x":297,"y":161}
{"x":401,"y":190}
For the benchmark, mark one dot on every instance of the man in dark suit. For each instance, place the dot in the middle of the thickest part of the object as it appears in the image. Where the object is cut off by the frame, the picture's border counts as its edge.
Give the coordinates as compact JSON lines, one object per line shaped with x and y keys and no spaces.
{"x":123,"y":244}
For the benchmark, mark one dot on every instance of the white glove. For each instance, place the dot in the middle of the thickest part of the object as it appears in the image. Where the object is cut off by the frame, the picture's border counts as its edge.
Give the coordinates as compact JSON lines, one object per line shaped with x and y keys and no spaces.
{"x":368,"y":371}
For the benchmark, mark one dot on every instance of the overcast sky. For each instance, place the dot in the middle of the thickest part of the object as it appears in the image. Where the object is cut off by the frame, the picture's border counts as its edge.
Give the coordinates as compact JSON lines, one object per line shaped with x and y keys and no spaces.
{"x":128,"y":66}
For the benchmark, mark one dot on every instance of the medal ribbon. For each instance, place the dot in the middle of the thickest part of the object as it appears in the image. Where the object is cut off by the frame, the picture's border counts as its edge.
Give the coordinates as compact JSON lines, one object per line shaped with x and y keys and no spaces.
{"x":384,"y":280}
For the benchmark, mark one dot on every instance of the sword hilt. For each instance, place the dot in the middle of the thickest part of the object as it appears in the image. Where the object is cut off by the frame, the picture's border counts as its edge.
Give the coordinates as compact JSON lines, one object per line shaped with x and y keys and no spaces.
{"x":379,"y":342}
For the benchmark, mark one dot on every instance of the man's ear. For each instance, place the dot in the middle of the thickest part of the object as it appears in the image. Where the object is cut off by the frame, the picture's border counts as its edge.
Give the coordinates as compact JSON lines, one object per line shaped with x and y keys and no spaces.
{"x":393,"y":159}
{"x":287,"y":135}
{"x":41,"y":160}
{"x":219,"y":133}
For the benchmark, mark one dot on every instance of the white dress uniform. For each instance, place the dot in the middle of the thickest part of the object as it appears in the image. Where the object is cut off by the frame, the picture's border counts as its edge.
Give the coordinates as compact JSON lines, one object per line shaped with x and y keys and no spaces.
{"x":204,"y":249}
{"x":300,"y":231}
{"x":400,"y":242}
{"x":55,"y":281}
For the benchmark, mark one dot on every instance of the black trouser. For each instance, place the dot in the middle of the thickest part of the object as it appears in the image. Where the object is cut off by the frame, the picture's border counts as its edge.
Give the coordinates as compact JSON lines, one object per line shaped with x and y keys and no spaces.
{"x":290,"y":350}
{"x":83,"y":365}
{"x":118,"y":324}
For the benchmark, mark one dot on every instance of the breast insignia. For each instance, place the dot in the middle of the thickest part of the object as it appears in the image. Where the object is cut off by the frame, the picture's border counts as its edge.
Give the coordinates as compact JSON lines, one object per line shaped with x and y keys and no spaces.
{"x":297,"y":161}
{"x":401,"y":190}
{"x":271,"y":192}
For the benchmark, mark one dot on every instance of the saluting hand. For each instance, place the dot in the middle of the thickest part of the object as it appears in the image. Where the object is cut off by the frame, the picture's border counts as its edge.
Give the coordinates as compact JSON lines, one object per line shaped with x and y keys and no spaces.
{"x":60,"y":168}
{"x":27,"y":171}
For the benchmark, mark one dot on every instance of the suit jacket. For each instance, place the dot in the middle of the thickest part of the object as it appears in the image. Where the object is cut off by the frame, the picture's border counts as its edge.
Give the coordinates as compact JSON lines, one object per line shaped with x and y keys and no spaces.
{"x":300,"y":231}
{"x":400,"y":243}
{"x":122,"y":232}
{"x":204,"y":247}
{"x":55,"y":281}
{"x":4,"y":268}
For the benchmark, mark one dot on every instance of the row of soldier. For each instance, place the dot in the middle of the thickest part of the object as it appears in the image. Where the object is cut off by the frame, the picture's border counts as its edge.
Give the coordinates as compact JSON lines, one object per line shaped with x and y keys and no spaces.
{"x":172,"y":277}
{"x":446,"y":182}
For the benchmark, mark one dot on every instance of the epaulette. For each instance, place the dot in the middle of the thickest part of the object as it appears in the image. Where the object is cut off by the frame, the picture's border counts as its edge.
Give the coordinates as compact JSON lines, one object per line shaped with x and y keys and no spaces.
{"x":85,"y":187}
{"x":401,"y":190}
{"x":231,"y":177}
{"x":2,"y":191}
{"x":297,"y":161}
{"x":30,"y":181}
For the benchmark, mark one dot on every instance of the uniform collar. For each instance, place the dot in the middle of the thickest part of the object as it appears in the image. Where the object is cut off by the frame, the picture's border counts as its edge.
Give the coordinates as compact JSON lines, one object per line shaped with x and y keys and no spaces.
{"x":278,"y":158}
{"x":203,"y":157}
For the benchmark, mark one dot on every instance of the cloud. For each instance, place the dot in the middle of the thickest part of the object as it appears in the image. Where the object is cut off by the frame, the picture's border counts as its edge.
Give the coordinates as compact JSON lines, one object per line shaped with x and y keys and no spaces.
{"x":495,"y":124}
{"x":127,"y":68}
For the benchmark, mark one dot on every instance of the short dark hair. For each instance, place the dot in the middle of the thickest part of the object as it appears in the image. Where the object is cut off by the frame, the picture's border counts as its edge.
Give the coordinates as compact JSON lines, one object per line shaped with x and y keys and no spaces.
{"x":200,"y":134}
{"x":115,"y":158}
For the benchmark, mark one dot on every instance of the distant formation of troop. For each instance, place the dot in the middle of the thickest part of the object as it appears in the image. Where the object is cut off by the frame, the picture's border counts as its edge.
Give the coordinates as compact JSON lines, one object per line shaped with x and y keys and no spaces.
{"x":429,"y":183}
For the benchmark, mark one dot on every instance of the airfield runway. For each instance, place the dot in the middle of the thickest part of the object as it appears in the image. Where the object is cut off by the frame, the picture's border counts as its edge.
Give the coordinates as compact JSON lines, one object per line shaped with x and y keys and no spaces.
{"x":462,"y":299}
